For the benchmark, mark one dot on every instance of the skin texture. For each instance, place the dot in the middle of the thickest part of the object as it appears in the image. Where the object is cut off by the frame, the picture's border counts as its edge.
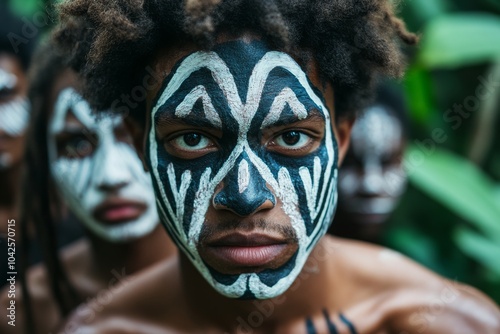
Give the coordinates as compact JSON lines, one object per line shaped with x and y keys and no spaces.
{"x":374,"y":289}
{"x":93,"y":265}
{"x":11,"y":146}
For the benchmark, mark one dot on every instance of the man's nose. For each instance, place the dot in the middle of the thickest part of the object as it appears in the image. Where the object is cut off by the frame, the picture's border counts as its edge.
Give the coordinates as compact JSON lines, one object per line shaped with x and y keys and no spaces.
{"x":244,"y":191}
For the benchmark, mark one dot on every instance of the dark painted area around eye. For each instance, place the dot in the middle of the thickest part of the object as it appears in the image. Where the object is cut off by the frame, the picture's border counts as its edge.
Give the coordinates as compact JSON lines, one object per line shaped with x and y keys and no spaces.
{"x":202,"y":77}
{"x":279,"y":79}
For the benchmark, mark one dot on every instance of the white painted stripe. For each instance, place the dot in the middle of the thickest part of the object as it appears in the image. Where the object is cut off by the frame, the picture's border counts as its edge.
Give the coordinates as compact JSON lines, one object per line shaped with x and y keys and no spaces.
{"x":287,"y":96}
{"x":14,"y":116}
{"x":186,"y":106}
{"x":7,"y":80}
{"x":243,"y":176}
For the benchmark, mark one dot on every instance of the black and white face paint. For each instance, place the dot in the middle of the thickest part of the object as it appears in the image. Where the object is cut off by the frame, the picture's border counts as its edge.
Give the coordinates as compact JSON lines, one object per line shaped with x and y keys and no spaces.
{"x":100,"y":173}
{"x":242,"y":89}
{"x":14,"y":114}
{"x":372,"y":182}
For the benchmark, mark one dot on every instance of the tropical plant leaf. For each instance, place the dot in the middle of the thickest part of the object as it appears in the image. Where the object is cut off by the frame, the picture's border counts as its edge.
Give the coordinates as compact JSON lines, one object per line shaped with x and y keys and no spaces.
{"x":456,"y":183}
{"x":418,"y":88}
{"x":455,"y":40}
{"x":482,"y":249}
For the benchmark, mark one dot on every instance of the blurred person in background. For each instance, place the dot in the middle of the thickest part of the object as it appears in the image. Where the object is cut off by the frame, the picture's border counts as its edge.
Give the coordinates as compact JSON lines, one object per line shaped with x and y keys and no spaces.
{"x":89,"y":163}
{"x":14,"y":118}
{"x":372,"y":179}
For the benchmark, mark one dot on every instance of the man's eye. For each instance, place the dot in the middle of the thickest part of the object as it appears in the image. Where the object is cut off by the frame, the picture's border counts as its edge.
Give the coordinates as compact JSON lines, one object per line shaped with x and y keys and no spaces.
{"x":192,"y":142}
{"x":293,"y":140}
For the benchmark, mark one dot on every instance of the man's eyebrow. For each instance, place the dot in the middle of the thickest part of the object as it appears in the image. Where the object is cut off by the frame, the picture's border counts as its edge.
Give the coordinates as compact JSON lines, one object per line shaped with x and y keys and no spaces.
{"x":165,"y":119}
{"x":313,"y":116}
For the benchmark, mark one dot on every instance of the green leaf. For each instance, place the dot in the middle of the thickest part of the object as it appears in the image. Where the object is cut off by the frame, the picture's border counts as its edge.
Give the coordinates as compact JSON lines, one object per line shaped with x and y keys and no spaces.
{"x":418,"y":88}
{"x":26,"y":8}
{"x":482,"y":249}
{"x":456,"y":183}
{"x":455,"y":40}
{"x":417,"y":13}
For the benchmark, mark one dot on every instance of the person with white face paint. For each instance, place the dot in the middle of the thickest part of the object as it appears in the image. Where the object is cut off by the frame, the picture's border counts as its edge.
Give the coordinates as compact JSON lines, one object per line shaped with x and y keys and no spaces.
{"x":243,"y":138}
{"x":372,"y":179}
{"x":14,"y":116}
{"x":91,"y":165}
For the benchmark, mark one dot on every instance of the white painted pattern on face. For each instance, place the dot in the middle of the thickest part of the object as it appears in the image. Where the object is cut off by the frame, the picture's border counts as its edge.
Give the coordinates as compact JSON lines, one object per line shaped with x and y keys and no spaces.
{"x":287,"y":96}
{"x":112,"y":170}
{"x":186,"y":106}
{"x":283,"y":186}
{"x":14,"y":114}
{"x":7,"y":80}
{"x":243,"y":176}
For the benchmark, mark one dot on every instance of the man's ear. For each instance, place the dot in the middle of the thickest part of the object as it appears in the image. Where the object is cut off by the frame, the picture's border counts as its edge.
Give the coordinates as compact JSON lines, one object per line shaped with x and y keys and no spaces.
{"x":136,"y":130}
{"x":344,"y":127}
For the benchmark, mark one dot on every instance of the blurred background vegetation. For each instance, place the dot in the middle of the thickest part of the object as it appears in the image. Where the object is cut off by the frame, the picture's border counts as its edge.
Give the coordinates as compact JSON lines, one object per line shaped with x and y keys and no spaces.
{"x":449,"y":220}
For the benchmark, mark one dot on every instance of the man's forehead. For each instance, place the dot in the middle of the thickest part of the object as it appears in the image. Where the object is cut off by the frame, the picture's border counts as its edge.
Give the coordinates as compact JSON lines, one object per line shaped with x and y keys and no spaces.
{"x":240,"y":57}
{"x":247,"y":48}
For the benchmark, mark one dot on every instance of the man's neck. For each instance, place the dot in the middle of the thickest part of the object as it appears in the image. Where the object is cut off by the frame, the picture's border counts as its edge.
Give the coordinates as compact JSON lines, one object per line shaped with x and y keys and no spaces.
{"x":130,"y":257}
{"x":304,"y":296}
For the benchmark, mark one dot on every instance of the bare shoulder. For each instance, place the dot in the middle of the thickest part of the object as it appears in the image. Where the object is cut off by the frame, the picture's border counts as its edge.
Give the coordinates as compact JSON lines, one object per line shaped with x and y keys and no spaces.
{"x":413,"y":298}
{"x":147,"y":298}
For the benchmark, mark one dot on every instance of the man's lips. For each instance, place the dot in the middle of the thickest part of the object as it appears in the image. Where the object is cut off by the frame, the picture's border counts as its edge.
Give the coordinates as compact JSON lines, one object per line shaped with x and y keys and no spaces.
{"x":237,"y":252}
{"x":116,"y":211}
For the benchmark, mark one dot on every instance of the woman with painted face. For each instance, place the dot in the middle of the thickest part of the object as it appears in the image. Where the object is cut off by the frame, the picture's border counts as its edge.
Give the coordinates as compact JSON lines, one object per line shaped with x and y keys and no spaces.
{"x":14,"y":116}
{"x":372,"y":179}
{"x":89,"y":162}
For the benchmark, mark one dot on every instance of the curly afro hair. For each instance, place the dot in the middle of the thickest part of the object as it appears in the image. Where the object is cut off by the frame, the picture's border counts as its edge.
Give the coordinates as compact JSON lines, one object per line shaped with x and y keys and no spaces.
{"x":354,"y":41}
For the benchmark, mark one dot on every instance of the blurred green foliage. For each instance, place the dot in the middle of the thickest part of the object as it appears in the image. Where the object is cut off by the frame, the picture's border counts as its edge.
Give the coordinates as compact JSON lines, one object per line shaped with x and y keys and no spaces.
{"x":449,"y":220}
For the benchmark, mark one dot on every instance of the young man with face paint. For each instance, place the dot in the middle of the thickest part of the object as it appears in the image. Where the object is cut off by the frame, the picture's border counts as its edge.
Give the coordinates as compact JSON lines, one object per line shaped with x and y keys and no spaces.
{"x":243,"y":137}
{"x":90,"y":162}
{"x":372,"y":179}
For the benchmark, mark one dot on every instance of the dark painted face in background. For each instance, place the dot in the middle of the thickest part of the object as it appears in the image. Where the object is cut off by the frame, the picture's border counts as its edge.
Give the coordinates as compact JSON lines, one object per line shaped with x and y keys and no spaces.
{"x":240,"y":139}
{"x":372,"y":179}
